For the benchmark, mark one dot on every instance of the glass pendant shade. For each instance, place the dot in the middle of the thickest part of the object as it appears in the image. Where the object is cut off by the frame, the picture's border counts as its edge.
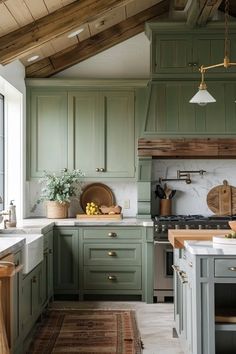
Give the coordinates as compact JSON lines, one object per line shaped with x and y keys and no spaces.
{"x":202,"y":97}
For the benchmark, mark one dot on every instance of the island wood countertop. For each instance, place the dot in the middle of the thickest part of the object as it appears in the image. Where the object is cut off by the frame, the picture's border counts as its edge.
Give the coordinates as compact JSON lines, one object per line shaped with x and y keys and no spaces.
{"x":177,"y":237}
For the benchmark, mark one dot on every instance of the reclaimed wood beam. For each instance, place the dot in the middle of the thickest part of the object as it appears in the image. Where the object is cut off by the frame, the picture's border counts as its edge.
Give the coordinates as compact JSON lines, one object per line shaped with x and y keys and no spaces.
{"x":70,"y":17}
{"x":97,"y":43}
{"x":200,"y":12}
{"x":194,"y":148}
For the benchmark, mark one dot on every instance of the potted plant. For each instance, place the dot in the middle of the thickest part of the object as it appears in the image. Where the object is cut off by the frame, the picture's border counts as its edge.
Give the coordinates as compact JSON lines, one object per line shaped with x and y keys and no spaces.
{"x":57,"y":191}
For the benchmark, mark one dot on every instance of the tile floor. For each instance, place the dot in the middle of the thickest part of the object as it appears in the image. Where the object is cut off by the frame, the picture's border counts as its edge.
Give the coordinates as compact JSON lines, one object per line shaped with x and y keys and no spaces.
{"x":155,"y":322}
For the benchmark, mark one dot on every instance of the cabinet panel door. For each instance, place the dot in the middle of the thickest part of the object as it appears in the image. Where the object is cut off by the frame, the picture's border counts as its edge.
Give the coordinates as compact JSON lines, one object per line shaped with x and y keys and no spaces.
{"x":209,"y":50}
{"x":172,"y":53}
{"x":48,"y":137}
{"x":86,"y":132}
{"x":119,"y":134}
{"x":65,"y":260}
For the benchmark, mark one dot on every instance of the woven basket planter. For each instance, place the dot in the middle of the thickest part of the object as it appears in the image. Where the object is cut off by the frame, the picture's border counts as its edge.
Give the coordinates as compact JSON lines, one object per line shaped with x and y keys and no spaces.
{"x":56,"y":210}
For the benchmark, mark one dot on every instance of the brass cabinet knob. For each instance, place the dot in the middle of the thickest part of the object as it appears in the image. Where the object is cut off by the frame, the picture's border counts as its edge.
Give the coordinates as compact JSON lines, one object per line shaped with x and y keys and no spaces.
{"x":97,"y":169}
{"x":111,"y":253}
{"x":190,"y":64}
{"x":112,"y":234}
{"x":34,"y":279}
{"x":111,"y":277}
{"x":102,"y":169}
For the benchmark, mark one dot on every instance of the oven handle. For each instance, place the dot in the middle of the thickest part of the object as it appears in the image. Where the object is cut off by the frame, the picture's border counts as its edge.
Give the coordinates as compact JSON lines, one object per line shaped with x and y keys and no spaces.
{"x":162,"y":242}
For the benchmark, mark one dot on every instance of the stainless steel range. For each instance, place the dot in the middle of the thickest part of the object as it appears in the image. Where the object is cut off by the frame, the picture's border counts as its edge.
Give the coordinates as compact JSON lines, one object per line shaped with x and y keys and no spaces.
{"x":163,"y":274}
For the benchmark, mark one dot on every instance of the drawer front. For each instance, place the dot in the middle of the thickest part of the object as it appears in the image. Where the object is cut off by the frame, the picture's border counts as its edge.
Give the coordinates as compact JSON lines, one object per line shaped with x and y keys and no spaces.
{"x":114,"y":233}
{"x":122,"y":278}
{"x":113,"y":254}
{"x":225,"y":267}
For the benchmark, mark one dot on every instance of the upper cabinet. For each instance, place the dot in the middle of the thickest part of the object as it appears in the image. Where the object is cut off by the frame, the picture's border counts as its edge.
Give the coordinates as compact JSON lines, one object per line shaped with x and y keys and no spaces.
{"x":177,"y":49}
{"x":92,"y":130}
{"x":47,"y":131}
{"x":103,"y":139}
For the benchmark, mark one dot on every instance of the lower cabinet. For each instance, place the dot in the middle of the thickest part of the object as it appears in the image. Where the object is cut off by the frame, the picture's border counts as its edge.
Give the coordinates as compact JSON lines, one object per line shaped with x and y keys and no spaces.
{"x":32,"y":299}
{"x":104,"y":260}
{"x":47,"y":268}
{"x":66,"y":267}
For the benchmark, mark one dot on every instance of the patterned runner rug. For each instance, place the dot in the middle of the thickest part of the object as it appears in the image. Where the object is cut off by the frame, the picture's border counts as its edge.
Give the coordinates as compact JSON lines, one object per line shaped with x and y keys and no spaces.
{"x":87,"y":332}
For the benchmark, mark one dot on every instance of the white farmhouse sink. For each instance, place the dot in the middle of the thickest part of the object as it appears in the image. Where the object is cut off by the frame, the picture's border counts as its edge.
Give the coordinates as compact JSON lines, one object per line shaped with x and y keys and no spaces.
{"x":32,"y":250}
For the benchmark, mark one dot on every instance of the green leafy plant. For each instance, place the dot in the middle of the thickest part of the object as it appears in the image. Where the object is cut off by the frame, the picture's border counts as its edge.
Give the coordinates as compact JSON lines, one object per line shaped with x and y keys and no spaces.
{"x":61,"y":187}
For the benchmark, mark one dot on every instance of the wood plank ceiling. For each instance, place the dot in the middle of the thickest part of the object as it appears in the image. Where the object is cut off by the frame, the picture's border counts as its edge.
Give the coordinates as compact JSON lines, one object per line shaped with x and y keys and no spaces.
{"x":40,"y":28}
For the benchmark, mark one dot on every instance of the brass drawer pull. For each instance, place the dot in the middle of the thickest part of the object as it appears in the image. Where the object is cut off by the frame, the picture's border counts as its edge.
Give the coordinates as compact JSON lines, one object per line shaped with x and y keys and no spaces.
{"x":111,"y":253}
{"x":112,"y":234}
{"x":112,"y":277}
{"x":232,"y":268}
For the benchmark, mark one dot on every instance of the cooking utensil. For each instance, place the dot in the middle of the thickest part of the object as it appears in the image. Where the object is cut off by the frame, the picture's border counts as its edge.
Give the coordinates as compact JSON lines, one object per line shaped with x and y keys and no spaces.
{"x":159,"y":192}
{"x":172,"y":194}
{"x":221,"y":199}
{"x":98,"y":193}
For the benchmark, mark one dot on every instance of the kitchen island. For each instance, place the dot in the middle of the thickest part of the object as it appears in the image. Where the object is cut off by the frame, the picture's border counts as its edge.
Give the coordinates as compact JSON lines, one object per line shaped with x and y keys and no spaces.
{"x":204,"y":290}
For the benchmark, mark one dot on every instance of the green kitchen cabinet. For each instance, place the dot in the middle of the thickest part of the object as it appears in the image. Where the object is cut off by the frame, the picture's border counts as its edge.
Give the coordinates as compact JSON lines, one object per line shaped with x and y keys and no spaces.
{"x":47,"y":268}
{"x":179,"y":50}
{"x":65,"y":261}
{"x":47,"y":131}
{"x":169,"y":113}
{"x":32,"y":299}
{"x":101,"y":130}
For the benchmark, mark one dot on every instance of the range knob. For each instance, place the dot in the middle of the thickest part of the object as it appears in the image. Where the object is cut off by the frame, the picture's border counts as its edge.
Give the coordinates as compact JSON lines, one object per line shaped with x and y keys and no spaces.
{"x":163,"y":228}
{"x":187,"y":227}
{"x":177,"y":227}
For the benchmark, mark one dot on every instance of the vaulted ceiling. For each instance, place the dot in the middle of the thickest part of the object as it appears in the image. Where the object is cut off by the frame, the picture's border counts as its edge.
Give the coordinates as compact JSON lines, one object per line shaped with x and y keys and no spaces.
{"x":49,"y":36}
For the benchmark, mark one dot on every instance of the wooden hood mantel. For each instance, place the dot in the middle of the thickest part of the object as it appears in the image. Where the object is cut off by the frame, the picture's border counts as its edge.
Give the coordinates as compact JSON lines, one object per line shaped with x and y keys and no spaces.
{"x":194,"y":148}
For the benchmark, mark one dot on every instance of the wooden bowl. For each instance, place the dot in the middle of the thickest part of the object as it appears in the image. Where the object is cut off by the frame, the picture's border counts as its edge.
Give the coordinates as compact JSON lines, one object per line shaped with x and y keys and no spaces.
{"x":232,"y":224}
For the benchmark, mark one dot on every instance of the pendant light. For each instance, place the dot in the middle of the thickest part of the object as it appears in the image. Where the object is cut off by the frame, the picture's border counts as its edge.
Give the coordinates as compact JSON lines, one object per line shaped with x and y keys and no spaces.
{"x":203,"y":97}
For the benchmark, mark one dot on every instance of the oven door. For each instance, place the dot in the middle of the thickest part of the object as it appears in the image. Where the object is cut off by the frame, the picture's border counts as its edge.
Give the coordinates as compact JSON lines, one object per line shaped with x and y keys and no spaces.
{"x":163,"y":271}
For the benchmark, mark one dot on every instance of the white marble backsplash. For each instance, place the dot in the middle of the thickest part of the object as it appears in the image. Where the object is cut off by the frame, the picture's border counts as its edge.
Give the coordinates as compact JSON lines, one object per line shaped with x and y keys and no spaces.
{"x":191,"y":198}
{"x":122,"y":191}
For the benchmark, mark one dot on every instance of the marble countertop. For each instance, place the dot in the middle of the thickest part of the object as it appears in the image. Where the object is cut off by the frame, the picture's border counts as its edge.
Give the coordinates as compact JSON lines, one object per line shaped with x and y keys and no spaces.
{"x":209,"y":248}
{"x":42,"y":225}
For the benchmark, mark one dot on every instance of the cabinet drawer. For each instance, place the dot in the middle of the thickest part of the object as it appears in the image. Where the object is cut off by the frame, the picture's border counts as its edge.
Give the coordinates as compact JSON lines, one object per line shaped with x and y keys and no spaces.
{"x":114,"y":233}
{"x":113,"y":254}
{"x":225,"y":267}
{"x":121,"y":278}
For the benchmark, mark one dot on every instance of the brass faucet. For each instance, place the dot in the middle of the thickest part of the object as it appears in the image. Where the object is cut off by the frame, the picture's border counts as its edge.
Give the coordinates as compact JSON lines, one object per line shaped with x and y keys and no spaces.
{"x":3,"y":213}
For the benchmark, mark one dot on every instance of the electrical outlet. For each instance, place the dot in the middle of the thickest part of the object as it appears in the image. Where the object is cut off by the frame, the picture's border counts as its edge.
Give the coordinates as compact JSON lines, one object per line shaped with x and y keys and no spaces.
{"x":126,"y":204}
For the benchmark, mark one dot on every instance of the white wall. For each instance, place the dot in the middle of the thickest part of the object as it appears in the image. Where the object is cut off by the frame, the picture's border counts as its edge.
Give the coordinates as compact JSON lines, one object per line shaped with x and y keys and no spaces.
{"x":12,"y":86}
{"x":129,"y":59}
{"x":191,"y":198}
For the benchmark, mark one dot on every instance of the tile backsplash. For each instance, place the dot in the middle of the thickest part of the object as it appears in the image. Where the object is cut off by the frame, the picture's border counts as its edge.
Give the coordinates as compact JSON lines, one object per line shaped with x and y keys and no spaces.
{"x":191,"y":198}
{"x":124,"y":192}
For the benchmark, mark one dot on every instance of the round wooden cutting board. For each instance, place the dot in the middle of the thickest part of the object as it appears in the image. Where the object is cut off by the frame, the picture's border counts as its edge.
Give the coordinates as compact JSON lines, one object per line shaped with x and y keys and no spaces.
{"x":221,"y":199}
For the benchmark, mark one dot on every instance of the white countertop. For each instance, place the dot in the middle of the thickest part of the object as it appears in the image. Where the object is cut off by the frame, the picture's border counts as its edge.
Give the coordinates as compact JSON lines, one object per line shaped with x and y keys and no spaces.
{"x":10,"y":245}
{"x":209,"y":248}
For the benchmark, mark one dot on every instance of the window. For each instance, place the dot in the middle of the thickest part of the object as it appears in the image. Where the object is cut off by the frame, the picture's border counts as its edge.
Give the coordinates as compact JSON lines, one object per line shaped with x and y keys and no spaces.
{"x":2,"y":150}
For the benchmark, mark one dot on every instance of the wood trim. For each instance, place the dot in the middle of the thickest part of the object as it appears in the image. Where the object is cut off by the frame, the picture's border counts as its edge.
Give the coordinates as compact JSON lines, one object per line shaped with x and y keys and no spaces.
{"x":175,"y":148}
{"x":97,"y":43}
{"x":65,"y":19}
{"x":55,"y":82}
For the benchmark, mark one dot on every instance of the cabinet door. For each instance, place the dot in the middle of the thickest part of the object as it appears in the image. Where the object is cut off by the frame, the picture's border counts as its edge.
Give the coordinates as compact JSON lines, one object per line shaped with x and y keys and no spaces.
{"x":65,"y":261}
{"x":17,"y":302}
{"x":32,"y":298}
{"x":119,"y":134}
{"x":48,"y":131}
{"x":209,"y":50}
{"x":172,"y":53}
{"x":101,"y":133}
{"x":86,"y":132}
